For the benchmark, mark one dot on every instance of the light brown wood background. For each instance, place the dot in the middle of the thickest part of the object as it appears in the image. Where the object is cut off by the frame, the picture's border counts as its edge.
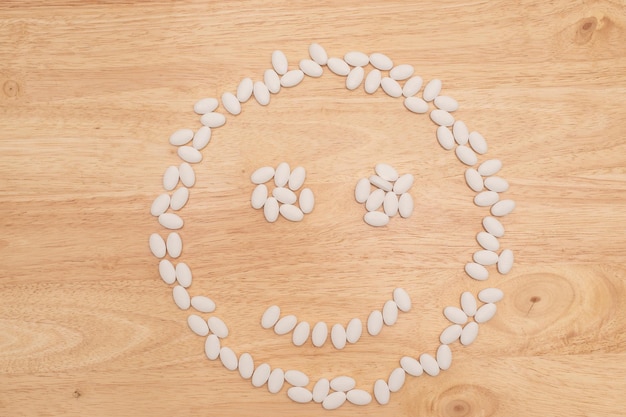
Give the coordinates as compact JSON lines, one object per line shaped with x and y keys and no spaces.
{"x":90,"y":94}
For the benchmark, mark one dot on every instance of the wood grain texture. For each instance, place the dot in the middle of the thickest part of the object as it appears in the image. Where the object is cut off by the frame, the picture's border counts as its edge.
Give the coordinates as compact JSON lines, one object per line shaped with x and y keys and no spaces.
{"x":90,"y":94}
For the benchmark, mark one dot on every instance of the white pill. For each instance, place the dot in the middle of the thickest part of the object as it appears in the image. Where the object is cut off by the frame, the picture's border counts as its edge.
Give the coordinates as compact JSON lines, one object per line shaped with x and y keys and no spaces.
{"x":442,"y":117}
{"x":490,"y":167}
{"x":403,"y":184}
{"x":355,"y":78}
{"x":187,"y":174}
{"x":450,"y":334}
{"x":505,"y":261}
{"x":167,"y":271}
{"x":338,"y":336}
{"x":260,"y":375}
{"x":170,"y":221}
{"x":218,"y":327}
{"x":261,"y":93}
{"x":354,"y":330}
{"x":446,"y":103}
{"x":473,"y":179}
{"x":319,"y":334}
{"x":488,"y":241}
{"x":359,"y":397}
{"x":285,"y":324}
{"x":231,"y":103}
{"x":318,"y":53}
{"x":375,"y":322}
{"x":181,"y":137}
{"x":356,"y":59}
{"x":386,"y":172}
{"x":372,"y":81}
{"x":271,"y":209}
{"x":157,"y":245}
{"x":469,"y":333}
{"x":429,"y":364}
{"x":205,"y":105}
{"x":272,"y":81}
{"x":497,"y":184}
{"x":189,"y":154}
{"x":334,"y":400}
{"x":246,"y":365}
{"x":486,"y":198}
{"x":174,"y":245}
{"x":212,"y":347}
{"x":478,"y":143}
{"x":181,"y":297}
{"x":405,"y":205}
{"x":201,"y":138}
{"x":296,"y":178}
{"x":381,"y":391}
{"x":292,"y":78}
{"x":276,"y":380}
{"x":490,"y":295}
{"x":502,"y":208}
{"x":270,"y":317}
{"x":170,"y":178}
{"x":338,"y":66}
{"x":259,"y":196}
{"x":402,"y":299}
{"x":391,"y":87}
{"x":279,"y":62}
{"x":244,"y":89}
{"x":460,"y":132}
{"x":376,"y":218}
{"x":262,"y":175}
{"x":381,"y":61}
{"x":285,"y":195}
{"x":197,"y":325}
{"x":300,"y":395}
{"x":183,"y":275}
{"x":396,"y":380}
{"x":281,"y":175}
{"x":213,"y":119}
{"x":301,"y":333}
{"x":362,"y":190}
{"x":476,"y":271}
{"x":468,"y":303}
{"x":179,"y":198}
{"x":444,"y":357}
{"x":493,"y":226}
{"x":311,"y":68}
{"x":411,"y":366}
{"x":202,"y":304}
{"x":160,"y":204}
{"x":455,"y":315}
{"x":342,"y":383}
{"x":291,"y":212}
{"x":375,"y":200}
{"x":390,"y":204}
{"x":390,"y":313}
{"x":432,"y":89}
{"x":320,"y":390}
{"x":228,"y":358}
{"x":401,"y":72}
{"x":306,"y":201}
{"x":383,"y":184}
{"x":485,"y":313}
{"x":446,"y":139}
{"x":412,"y":86}
{"x":466,"y":155}
{"x":416,"y":105}
{"x":485,"y":257}
{"x":296,"y":378}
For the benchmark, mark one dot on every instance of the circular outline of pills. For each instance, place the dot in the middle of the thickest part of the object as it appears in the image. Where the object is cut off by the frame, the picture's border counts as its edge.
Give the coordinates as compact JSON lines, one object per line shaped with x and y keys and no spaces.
{"x":451,"y":134}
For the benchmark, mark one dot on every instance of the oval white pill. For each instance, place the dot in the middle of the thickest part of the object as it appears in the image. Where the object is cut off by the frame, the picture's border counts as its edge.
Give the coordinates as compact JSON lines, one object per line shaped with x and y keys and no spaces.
{"x":401,"y":72}
{"x":485,"y":313}
{"x":296,"y":378}
{"x":446,"y":103}
{"x":261,"y":93}
{"x":485,"y":257}
{"x":460,"y":132}
{"x":356,"y":58}
{"x":390,"y":204}
{"x":334,"y":400}
{"x":412,"y":86}
{"x":306,"y":200}
{"x":383,"y":184}
{"x":262,"y":175}
{"x":354,"y":330}
{"x":338,"y":336}
{"x":386,"y":172}
{"x":476,"y":271}
{"x":292,"y":78}
{"x":319,"y":334}
{"x":259,"y":196}
{"x":355,"y":78}
{"x":372,"y":81}
{"x":284,"y":195}
{"x":189,"y":154}
{"x":246,"y":365}
{"x":381,"y":391}
{"x":282,"y":173}
{"x":296,"y":178}
{"x":478,"y":143}
{"x":375,"y":199}
{"x":362,"y":190}
{"x":469,"y":333}
{"x":301,"y":333}
{"x":170,"y":178}
{"x":486,"y":198}
{"x":205,"y":105}
{"x":391,"y":87}
{"x":342,"y":383}
{"x":338,"y":66}
{"x":318,"y":53}
{"x":403,"y":184}
{"x":231,"y":103}
{"x":181,"y":137}
{"x":402,"y":299}
{"x":396,"y":380}
{"x":183,"y":275}
{"x":197,"y":325}
{"x":212,"y":347}
{"x":442,"y":117}
{"x":291,"y":212}
{"x":375,"y":322}
{"x":260,"y":375}
{"x":174,"y":245}
{"x":446,"y":139}
{"x":488,"y":241}
{"x":276,"y":380}
{"x":202,"y":304}
{"x":411,"y":366}
{"x":429,"y":364}
{"x":271,"y":209}
{"x":300,"y":394}
{"x":311,"y":68}
{"x":450,"y":334}
{"x":493,"y":226}
{"x":490,"y":295}
{"x":244,"y":89}
{"x":187,"y":174}
{"x":444,"y":357}
{"x":432,"y":89}
{"x":376,"y":218}
{"x":228,"y":358}
{"x":272,"y":81}
{"x":270,"y":317}
{"x":359,"y":397}
{"x":390,"y":313}
{"x":405,"y":205}
{"x":320,"y":390}
{"x":497,"y":184}
{"x":179,"y":198}
{"x":505,"y":261}
{"x":157,"y":245}
{"x":473,"y":179}
{"x":502,"y":208}
{"x":181,"y":297}
{"x":213,"y":119}
{"x":202,"y":138}
{"x":279,"y":62}
{"x":466,"y":155}
{"x":218,"y":327}
{"x":416,"y":105}
{"x":285,"y":324}
{"x":455,"y":315}
{"x":490,"y":167}
{"x":167,"y":271}
{"x":381,"y":61}
{"x":170,"y":221}
{"x":160,"y":204}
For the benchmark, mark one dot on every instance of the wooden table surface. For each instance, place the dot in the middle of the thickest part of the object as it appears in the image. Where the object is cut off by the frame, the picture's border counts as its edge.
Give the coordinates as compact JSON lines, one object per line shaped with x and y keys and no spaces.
{"x":91,"y":92}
